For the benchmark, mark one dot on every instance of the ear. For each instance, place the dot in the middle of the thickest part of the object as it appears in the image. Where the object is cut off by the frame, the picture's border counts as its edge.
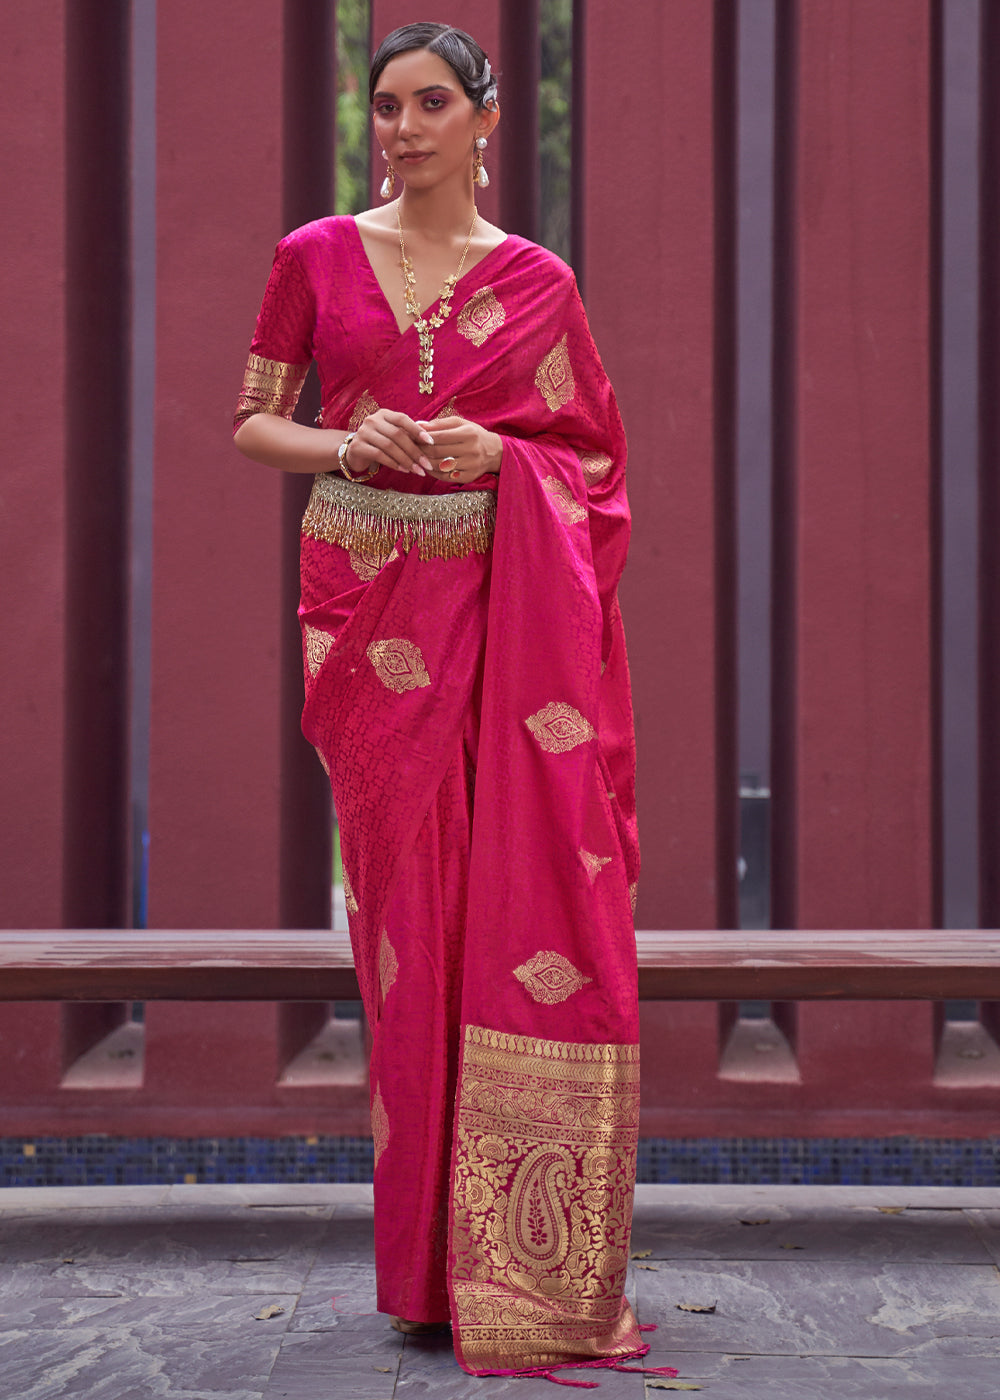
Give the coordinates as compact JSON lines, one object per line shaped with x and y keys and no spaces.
{"x":487,"y":119}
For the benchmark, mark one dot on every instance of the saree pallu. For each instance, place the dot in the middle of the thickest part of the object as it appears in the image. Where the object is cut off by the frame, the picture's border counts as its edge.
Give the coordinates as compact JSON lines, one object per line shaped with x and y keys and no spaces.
{"x":467,"y":691}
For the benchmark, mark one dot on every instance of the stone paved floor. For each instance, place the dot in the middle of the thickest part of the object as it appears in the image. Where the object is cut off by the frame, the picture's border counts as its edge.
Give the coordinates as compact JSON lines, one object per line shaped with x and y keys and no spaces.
{"x":129,"y":1293}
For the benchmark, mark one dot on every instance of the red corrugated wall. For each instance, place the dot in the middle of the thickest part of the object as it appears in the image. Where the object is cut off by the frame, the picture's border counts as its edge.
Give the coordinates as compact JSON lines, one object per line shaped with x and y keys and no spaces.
{"x":245,"y":107}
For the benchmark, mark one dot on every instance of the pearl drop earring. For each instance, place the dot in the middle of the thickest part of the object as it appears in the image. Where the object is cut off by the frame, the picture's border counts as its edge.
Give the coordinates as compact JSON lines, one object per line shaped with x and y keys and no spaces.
{"x":479,"y":174}
{"x":389,"y":183}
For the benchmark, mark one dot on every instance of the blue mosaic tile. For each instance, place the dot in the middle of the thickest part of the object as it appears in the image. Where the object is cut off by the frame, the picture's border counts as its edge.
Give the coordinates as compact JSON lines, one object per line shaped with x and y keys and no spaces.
{"x":99,"y":1160}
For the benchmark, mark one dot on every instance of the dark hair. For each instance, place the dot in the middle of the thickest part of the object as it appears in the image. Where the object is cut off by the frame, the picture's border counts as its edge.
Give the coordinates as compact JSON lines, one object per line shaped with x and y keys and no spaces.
{"x":458,"y":49}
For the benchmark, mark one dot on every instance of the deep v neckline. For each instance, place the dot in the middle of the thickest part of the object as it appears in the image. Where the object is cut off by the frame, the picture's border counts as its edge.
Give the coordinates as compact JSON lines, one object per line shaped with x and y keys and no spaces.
{"x":387,"y":304}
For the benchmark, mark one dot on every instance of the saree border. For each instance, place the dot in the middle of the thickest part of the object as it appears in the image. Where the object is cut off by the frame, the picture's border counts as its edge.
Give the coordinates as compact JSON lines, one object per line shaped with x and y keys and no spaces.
{"x":544,"y":1171}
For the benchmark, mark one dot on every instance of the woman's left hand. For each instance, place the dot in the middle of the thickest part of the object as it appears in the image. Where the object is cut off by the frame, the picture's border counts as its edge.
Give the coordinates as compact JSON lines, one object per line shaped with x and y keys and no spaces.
{"x":462,"y":451}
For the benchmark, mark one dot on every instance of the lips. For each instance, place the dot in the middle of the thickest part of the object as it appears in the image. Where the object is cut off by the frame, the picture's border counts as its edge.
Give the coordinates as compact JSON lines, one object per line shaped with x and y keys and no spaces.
{"x":415,"y":157}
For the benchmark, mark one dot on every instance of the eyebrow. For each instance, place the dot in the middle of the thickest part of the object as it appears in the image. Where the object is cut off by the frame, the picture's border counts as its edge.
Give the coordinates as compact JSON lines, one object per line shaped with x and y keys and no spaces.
{"x":420,"y":92}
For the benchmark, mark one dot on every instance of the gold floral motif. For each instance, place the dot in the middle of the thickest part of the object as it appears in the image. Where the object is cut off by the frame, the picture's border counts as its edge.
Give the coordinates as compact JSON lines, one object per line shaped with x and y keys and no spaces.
{"x":593,"y":864}
{"x":596,"y":466}
{"x":544,"y":1174}
{"x":449,"y":410}
{"x":364,"y":407}
{"x":554,"y":377}
{"x":368,"y":566}
{"x":549,"y":977}
{"x":371,"y":520}
{"x":269,"y":386}
{"x":559,"y":728}
{"x":567,"y":506}
{"x":481,"y":315}
{"x":388,"y":964}
{"x":318,"y":644}
{"x":633,"y":892}
{"x":350,"y":902}
{"x":399,"y":664}
{"x":380,"y":1125}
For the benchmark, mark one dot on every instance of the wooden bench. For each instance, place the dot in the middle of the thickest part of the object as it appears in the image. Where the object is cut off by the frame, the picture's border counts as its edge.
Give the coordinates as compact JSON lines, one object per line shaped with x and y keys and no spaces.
{"x":316,"y":965}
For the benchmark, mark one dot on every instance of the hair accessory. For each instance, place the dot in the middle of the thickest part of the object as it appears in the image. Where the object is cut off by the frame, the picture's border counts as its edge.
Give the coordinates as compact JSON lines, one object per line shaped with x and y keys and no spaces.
{"x":389,"y":183}
{"x":425,"y":325}
{"x":489,"y":85}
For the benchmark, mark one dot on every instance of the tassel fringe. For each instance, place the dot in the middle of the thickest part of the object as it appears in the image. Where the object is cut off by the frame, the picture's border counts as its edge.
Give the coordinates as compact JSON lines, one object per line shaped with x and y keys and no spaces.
{"x":606,"y":1363}
{"x":372,"y":521}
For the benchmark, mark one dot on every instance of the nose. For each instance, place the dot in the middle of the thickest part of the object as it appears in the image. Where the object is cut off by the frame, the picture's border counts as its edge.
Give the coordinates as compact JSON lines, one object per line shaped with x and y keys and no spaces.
{"x":409,"y":120}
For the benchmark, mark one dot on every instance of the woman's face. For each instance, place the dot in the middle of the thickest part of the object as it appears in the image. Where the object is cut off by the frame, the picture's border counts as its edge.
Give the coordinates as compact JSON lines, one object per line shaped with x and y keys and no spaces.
{"x":424,"y":121}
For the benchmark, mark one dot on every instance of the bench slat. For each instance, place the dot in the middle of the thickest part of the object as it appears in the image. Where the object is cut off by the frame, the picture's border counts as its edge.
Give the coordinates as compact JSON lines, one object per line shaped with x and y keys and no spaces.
{"x":316,"y":964}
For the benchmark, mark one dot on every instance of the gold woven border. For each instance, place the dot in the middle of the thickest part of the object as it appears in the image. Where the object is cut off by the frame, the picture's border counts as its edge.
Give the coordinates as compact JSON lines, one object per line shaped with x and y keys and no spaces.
{"x":544,"y":1173}
{"x":370,"y":521}
{"x":269,"y":386}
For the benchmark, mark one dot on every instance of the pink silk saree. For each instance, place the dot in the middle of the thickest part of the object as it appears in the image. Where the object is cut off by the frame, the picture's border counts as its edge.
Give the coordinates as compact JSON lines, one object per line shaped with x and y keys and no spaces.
{"x":467,"y":691}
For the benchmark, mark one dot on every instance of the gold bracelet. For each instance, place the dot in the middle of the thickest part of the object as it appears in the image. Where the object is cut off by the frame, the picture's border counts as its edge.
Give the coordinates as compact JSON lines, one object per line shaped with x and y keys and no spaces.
{"x":342,"y":462}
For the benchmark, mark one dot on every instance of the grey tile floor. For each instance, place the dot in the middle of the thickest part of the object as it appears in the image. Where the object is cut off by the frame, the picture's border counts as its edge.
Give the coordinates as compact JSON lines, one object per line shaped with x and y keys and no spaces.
{"x":130,"y":1293}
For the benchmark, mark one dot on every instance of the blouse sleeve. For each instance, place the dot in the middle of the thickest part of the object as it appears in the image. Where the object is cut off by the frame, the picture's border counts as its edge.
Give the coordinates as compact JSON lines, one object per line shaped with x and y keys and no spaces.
{"x":282,"y":347}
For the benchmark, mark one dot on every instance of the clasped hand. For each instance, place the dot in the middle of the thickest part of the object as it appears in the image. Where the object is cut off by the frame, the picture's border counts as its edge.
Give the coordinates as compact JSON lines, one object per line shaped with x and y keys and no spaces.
{"x":450,"y":449}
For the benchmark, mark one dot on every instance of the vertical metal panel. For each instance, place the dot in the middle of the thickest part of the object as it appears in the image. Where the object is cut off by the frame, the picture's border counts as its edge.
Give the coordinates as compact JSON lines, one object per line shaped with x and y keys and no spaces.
{"x":481,"y":19}
{"x":658,"y":278}
{"x":853,"y":684}
{"x":215,"y":762}
{"x":32,"y":559}
{"x":309,"y":99}
{"x":989,"y":467}
{"x":520,"y":64}
{"x":95,"y":872}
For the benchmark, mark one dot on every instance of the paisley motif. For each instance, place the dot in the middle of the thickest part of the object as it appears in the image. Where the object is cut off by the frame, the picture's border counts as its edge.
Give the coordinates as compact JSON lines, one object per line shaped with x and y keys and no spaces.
{"x":593,"y":864}
{"x":364,"y":407}
{"x":554,"y":376}
{"x":537,"y":1219}
{"x":558,"y":727}
{"x":596,"y":466}
{"x":388,"y":964}
{"x":568,"y":508}
{"x":318,"y":644}
{"x":367,"y":563}
{"x":481,"y":315}
{"x":380,"y":1125}
{"x":550,"y":978}
{"x":399,"y":664}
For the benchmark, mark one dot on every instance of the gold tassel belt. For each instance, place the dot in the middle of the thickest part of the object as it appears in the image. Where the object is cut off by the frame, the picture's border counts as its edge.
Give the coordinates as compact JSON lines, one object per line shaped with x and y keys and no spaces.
{"x":370,"y":521}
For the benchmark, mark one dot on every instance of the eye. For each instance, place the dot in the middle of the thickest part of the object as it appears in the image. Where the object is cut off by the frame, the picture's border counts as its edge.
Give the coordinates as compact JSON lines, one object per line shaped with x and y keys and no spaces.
{"x":435,"y":103}
{"x":385,"y":109}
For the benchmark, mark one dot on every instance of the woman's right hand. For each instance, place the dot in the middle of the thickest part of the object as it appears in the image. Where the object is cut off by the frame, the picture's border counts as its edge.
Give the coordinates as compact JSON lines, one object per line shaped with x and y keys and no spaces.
{"x":389,"y":439}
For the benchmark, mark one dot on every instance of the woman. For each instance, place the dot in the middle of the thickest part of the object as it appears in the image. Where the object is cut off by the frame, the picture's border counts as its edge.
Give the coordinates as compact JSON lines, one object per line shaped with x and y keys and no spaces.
{"x":467,"y":691}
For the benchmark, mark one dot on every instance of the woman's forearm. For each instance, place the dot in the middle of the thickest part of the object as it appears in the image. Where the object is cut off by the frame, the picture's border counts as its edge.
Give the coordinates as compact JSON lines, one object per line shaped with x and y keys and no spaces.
{"x":291,"y":447}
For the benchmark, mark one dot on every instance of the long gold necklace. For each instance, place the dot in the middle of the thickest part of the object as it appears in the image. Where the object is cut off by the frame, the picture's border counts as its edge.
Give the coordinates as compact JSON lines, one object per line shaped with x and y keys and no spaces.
{"x":426,"y":325}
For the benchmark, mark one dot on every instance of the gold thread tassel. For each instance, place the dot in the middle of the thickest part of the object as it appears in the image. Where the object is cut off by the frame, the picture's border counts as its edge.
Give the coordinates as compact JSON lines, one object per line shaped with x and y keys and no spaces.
{"x":372,"y":521}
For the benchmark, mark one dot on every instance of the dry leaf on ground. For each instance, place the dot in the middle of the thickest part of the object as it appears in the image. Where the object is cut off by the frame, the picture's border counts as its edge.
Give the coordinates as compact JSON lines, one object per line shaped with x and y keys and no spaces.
{"x":384,"y":1369}
{"x":696,"y":1307}
{"x":640,"y":1254}
{"x":269,"y":1310}
{"x":890,"y":1210}
{"x":654,"y":1267}
{"x":671,"y":1385}
{"x":791,"y":1246}
{"x":764,"y":1220}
